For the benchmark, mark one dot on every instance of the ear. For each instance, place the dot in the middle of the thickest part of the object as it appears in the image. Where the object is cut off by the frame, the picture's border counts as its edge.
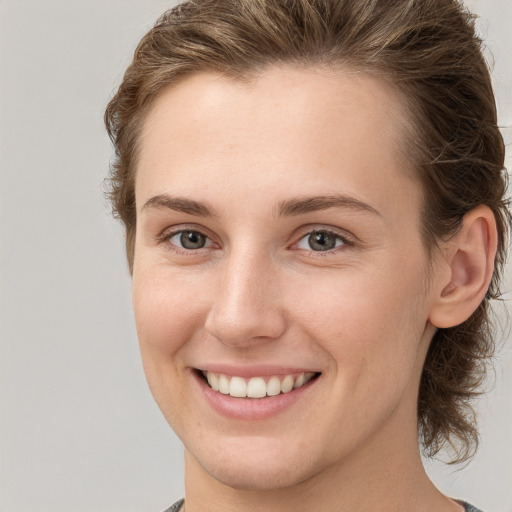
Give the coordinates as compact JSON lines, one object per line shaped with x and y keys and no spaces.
{"x":468,"y":265}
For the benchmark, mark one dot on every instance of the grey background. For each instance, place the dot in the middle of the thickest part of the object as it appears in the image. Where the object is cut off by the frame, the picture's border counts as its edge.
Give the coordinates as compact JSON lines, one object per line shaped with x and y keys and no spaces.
{"x":78,"y":427}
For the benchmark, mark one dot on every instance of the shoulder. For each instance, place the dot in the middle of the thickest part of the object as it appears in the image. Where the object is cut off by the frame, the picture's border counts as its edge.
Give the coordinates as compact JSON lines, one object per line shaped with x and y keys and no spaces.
{"x":469,"y":508}
{"x":177,"y":506}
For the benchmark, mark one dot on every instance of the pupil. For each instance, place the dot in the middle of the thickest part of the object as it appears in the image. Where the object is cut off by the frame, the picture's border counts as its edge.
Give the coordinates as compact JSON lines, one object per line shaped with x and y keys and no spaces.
{"x":192,"y":240}
{"x":321,"y":241}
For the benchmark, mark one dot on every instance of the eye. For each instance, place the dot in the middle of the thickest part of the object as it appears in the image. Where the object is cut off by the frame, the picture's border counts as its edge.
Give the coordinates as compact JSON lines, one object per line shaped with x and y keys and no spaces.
{"x":190,"y":240}
{"x":321,"y":241}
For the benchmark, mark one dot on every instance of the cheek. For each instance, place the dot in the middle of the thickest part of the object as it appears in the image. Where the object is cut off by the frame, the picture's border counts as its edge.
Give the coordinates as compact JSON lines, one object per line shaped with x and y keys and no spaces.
{"x":168,"y":312}
{"x":371,"y":331}
{"x":367,"y":323}
{"x":168,"y":308}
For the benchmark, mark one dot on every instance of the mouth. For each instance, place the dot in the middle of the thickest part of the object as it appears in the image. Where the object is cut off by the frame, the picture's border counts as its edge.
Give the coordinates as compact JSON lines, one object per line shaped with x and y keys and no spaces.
{"x":256,"y":387}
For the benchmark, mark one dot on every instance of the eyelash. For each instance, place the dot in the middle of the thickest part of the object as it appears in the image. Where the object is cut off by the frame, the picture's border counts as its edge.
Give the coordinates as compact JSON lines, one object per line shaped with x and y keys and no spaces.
{"x":166,"y":238}
{"x":346,"y":242}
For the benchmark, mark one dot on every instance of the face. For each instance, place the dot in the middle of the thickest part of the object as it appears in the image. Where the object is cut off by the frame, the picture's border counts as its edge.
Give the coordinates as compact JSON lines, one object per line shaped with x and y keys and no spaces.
{"x":278,"y":254}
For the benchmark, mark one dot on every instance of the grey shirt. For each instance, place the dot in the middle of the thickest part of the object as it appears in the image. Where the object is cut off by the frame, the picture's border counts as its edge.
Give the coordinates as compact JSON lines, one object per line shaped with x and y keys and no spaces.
{"x":176,"y":507}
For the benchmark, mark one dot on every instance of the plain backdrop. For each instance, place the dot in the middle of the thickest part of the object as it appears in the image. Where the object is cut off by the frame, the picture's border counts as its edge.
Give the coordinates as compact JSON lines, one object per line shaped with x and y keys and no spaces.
{"x":78,"y":428}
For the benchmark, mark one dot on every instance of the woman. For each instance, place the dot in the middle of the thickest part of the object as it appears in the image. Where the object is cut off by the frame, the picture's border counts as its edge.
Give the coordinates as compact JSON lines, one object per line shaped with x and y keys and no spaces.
{"x":313,"y":196}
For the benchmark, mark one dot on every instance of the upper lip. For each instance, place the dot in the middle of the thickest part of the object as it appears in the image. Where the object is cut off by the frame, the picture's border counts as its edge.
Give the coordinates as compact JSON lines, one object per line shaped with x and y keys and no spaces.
{"x":254,"y":370}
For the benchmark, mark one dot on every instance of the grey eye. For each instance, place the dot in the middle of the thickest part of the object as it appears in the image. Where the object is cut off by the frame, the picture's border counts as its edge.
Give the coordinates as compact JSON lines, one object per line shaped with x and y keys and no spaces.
{"x":320,"y":241}
{"x":189,"y":240}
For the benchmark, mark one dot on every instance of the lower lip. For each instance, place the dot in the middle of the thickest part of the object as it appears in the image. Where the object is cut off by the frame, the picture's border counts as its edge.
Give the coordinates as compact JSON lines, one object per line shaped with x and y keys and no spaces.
{"x":251,"y":408}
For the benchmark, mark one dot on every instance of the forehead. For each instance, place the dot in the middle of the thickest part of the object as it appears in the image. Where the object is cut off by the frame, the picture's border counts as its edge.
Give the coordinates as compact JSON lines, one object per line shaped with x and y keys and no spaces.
{"x":308,"y":129}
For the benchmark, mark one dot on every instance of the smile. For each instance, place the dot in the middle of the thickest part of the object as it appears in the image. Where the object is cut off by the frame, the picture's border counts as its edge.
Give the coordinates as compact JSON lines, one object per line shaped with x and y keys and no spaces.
{"x":256,"y":387}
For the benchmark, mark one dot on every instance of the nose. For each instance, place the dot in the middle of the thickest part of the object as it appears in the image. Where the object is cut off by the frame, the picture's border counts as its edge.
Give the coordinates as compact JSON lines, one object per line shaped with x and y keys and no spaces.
{"x":246,"y":308}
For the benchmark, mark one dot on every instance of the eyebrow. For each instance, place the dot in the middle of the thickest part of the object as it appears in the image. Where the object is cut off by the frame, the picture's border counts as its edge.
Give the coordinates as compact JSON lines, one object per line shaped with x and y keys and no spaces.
{"x":290,"y":207}
{"x":180,"y":204}
{"x":300,"y":206}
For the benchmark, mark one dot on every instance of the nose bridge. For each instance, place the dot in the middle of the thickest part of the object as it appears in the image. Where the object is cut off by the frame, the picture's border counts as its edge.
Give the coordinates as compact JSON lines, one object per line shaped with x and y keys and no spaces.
{"x":246,"y":304}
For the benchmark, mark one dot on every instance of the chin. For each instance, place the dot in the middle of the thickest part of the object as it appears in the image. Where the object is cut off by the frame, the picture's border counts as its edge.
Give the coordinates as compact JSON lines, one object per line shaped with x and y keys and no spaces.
{"x":253,"y":478}
{"x":262,"y":467}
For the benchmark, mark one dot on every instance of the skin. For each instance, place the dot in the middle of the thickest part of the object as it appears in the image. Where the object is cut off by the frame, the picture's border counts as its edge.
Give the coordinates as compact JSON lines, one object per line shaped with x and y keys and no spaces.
{"x":257,"y":294}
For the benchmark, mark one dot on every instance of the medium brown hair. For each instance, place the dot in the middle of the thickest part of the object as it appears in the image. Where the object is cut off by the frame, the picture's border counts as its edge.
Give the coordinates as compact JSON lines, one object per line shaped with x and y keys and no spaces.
{"x":429,"y":51}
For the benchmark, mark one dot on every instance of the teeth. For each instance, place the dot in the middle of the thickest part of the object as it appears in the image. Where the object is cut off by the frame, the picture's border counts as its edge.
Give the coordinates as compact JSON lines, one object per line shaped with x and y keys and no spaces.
{"x":257,"y":387}
{"x":213,"y":380}
{"x":300,"y":381}
{"x":287,"y":384}
{"x":273,"y":386}
{"x":238,"y":387}
{"x":224,"y":385}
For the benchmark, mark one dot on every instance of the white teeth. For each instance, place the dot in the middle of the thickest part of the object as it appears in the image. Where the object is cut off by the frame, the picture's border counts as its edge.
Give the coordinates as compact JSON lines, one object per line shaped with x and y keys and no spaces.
{"x":213,"y":380}
{"x":301,"y":379}
{"x":223,"y":384}
{"x":238,"y":387}
{"x":256,"y":387}
{"x":273,"y":386}
{"x":287,"y":384}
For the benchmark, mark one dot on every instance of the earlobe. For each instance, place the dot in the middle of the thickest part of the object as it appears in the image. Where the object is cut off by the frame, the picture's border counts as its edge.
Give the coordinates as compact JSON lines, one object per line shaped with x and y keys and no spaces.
{"x":470,"y":258}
